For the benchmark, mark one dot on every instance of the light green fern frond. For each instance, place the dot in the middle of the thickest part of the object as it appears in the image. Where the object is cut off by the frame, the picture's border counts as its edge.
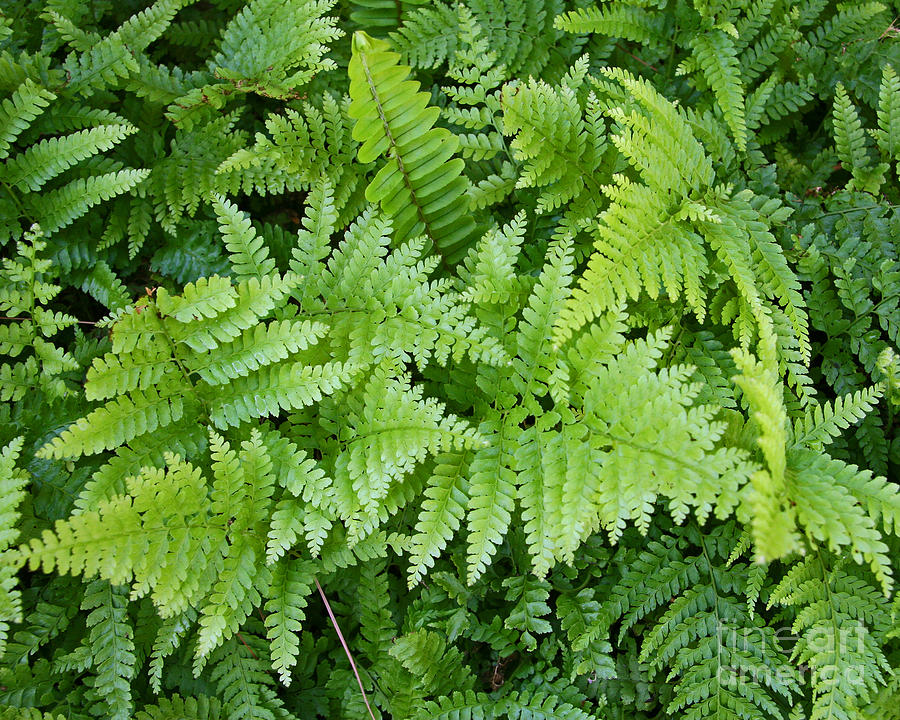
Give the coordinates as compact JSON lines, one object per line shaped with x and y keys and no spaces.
{"x":560,"y":145}
{"x":642,"y":239}
{"x":822,"y":423}
{"x":625,"y":20}
{"x":422,"y":184}
{"x":30,"y":170}
{"x":128,"y":538}
{"x":168,"y":638}
{"x":716,"y":55}
{"x":292,"y":581}
{"x":492,"y":493}
{"x":771,"y":519}
{"x":12,"y":492}
{"x":446,"y":496}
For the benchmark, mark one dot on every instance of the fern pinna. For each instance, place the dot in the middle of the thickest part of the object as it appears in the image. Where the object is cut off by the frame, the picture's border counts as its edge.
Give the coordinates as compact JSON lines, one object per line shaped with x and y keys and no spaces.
{"x":486,"y":359}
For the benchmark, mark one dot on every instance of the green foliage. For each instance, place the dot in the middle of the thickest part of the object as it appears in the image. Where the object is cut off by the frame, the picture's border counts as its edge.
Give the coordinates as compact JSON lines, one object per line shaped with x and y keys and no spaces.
{"x":422,"y":184}
{"x":838,"y":619}
{"x":12,"y":483}
{"x":493,"y":359}
{"x":37,"y":363}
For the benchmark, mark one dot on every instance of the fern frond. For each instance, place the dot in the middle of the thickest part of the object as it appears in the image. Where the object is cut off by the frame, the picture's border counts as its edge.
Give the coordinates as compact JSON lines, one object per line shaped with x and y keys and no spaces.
{"x":643,"y":242}
{"x":249,"y":256}
{"x":822,"y":423}
{"x":527,"y":614}
{"x":628,"y":21}
{"x":717,"y":57}
{"x":112,"y":648}
{"x":421,"y":184}
{"x":686,"y":467}
{"x":292,"y":581}
{"x":19,"y":110}
{"x":168,"y":638}
{"x":428,"y":35}
{"x":60,"y":208}
{"x":391,"y":430}
{"x":888,"y":133}
{"x":117,"y":422}
{"x":256,"y":347}
{"x":727,"y":663}
{"x":442,"y":511}
{"x":541,"y":465}
{"x":837,"y":617}
{"x":12,"y":492}
{"x":850,"y":143}
{"x":560,"y":145}
{"x":242,"y":494}
{"x":439,"y":668}
{"x":272,"y":46}
{"x":313,"y":239}
{"x":241,"y":677}
{"x":112,"y":375}
{"x":491,"y":496}
{"x":577,"y":612}
{"x":536,"y":358}
{"x":201,"y":707}
{"x":540,"y":704}
{"x":824,"y":491}
{"x":848,"y":133}
{"x":272,"y":389}
{"x":30,"y":170}
{"x":488,"y":270}
{"x":773,"y":523}
{"x":128,"y":538}
{"x":225,"y":312}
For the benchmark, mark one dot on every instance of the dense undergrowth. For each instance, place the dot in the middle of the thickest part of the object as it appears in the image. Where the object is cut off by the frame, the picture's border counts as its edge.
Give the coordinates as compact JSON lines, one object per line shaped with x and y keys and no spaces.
{"x":554,"y":341}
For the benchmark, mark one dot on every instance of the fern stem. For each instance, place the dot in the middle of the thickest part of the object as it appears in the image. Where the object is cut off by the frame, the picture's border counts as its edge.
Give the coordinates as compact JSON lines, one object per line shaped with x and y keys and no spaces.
{"x":635,"y":57}
{"x":244,"y":642}
{"x":349,"y":655}
{"x":18,"y":202}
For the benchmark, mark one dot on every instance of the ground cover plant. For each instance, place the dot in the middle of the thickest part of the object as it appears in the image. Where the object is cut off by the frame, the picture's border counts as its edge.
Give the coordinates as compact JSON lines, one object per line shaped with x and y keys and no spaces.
{"x":391,"y":359}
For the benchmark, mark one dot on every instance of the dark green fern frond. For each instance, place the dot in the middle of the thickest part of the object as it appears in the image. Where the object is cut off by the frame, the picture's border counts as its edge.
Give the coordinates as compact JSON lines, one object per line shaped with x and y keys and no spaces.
{"x":838,"y":617}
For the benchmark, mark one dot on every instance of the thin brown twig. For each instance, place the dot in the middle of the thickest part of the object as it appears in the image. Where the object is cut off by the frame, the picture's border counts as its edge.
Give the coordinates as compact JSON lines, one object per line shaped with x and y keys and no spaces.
{"x":340,"y":635}
{"x":890,"y":30}
{"x":240,"y":637}
{"x":642,"y":62}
